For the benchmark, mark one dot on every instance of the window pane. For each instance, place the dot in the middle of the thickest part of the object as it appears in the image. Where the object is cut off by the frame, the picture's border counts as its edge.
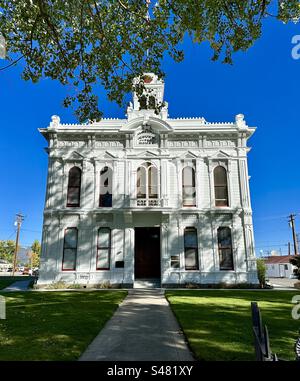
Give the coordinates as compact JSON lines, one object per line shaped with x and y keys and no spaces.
{"x":70,"y":241}
{"x":73,"y":196}
{"x":69,"y":259}
{"x":103,"y":259}
{"x":191,"y":262}
{"x":226,"y":259}
{"x":104,"y":237}
{"x":141,"y":182}
{"x":220,"y":176}
{"x":190,"y":238}
{"x":188,"y":177}
{"x":175,"y":263}
{"x":225,"y":248}
{"x":74,"y":177}
{"x":221,"y":192}
{"x":106,"y":180}
{"x":224,"y":237}
{"x":105,"y":200}
{"x":152,"y":182}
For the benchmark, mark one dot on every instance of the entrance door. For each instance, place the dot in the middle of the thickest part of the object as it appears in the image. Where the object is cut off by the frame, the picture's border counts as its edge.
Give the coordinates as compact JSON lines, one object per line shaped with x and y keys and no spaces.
{"x":147,"y":253}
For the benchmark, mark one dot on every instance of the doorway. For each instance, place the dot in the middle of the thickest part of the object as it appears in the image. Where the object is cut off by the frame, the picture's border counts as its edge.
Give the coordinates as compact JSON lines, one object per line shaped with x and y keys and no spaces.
{"x":147,"y":253}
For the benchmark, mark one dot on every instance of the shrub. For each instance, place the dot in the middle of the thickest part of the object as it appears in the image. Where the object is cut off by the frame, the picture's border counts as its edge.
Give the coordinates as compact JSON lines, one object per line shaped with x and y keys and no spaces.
{"x":296,"y":262}
{"x":261,"y":272}
{"x":105,"y":284}
{"x":57,"y":285}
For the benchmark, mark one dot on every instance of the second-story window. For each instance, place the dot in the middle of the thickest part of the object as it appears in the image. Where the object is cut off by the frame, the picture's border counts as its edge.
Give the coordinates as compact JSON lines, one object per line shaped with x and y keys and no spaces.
{"x":188,"y":187}
{"x":221,"y":188}
{"x":74,"y":185}
{"x":105,"y":199}
{"x":147,"y":181}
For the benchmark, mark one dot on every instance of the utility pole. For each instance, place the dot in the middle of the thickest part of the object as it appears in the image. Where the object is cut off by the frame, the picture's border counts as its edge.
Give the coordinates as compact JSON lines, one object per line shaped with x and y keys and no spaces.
{"x":292,"y":225}
{"x":18,"y":222}
{"x":289,"y":248}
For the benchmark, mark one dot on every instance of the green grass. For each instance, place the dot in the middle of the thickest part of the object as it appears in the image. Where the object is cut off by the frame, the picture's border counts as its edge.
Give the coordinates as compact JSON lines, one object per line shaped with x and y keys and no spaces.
{"x":54,"y":325}
{"x":6,"y":281}
{"x":218,"y":324}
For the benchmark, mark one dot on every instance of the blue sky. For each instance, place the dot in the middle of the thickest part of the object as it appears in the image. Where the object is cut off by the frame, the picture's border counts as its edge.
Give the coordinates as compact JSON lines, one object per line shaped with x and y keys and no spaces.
{"x":263,"y":84}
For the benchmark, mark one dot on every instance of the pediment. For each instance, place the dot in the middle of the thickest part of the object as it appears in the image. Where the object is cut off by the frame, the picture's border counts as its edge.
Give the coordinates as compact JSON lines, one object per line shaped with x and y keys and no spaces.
{"x":189,"y":155}
{"x":109,"y":155}
{"x":157,"y":125}
{"x":74,"y":155}
{"x":219,"y":155}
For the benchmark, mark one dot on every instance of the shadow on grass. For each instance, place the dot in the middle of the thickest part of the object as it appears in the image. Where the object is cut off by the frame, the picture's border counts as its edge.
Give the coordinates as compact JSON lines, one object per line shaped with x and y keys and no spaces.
{"x":54,"y":326}
{"x":218,"y":323}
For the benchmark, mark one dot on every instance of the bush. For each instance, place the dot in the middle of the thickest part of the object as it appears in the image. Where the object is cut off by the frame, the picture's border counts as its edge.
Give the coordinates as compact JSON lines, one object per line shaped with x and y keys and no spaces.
{"x":261,"y":272}
{"x":57,"y":285}
{"x":296,"y":262}
{"x":106,"y":284}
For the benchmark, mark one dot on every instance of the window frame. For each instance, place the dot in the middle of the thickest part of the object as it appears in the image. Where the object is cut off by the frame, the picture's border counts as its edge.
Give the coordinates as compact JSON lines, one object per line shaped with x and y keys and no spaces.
{"x":194,"y":229}
{"x":148,"y":187}
{"x":193,"y":186}
{"x":221,"y":186}
{"x":74,"y":205}
{"x":222,"y":248}
{"x":70,"y":248}
{"x":110,"y":178}
{"x":103,"y":247}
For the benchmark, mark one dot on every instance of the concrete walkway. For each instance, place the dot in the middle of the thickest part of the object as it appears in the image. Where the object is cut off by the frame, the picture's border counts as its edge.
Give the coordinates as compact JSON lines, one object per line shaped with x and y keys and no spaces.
{"x":143,"y":328}
{"x":20,"y":285}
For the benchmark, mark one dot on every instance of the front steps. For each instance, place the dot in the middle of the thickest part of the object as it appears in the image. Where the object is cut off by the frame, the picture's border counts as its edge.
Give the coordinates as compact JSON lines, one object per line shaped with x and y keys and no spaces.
{"x":147,"y":283}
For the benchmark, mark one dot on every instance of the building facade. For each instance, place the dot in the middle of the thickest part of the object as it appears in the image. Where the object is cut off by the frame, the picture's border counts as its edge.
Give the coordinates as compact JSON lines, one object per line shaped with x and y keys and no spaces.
{"x":148,"y":197}
{"x":279,"y":266}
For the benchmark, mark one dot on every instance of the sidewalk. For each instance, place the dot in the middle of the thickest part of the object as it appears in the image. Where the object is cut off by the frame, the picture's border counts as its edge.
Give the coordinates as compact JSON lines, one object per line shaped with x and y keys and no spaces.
{"x":143,"y":328}
{"x":20,"y":285}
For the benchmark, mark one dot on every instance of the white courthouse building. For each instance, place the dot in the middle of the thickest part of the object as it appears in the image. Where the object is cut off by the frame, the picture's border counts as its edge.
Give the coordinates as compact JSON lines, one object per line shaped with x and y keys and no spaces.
{"x":148,"y":197}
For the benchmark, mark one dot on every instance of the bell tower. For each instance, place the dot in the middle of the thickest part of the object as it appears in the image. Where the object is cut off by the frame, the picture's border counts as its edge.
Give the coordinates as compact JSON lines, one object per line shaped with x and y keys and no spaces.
{"x":151,"y":101}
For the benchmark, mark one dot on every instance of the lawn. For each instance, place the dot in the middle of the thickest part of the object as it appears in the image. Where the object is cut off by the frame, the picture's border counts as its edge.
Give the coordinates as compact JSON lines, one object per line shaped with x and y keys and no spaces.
{"x":6,"y":281}
{"x":218,"y":325}
{"x":54,"y":325}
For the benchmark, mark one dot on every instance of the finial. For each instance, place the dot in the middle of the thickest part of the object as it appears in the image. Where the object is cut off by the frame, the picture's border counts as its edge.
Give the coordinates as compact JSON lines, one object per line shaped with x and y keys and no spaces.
{"x":240,"y":120}
{"x":55,"y":121}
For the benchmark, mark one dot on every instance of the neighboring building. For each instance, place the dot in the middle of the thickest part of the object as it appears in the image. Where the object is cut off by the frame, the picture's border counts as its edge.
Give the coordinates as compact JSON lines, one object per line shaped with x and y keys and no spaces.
{"x":148,"y":197}
{"x":5,"y":265}
{"x":279,"y":266}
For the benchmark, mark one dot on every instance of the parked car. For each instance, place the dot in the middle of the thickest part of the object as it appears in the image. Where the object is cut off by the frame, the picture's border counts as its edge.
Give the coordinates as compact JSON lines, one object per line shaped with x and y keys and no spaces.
{"x":26,"y":271}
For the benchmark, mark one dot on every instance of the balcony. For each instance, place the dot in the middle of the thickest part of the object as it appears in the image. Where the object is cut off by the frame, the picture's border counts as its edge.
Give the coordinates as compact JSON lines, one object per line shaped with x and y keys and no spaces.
{"x":148,"y":203}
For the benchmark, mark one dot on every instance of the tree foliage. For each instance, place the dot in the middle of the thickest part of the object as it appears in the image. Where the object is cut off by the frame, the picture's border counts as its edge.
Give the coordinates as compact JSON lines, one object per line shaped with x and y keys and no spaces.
{"x":261,"y":272}
{"x":296,"y":262}
{"x":34,"y":254}
{"x":7,"y":249}
{"x":87,"y":43}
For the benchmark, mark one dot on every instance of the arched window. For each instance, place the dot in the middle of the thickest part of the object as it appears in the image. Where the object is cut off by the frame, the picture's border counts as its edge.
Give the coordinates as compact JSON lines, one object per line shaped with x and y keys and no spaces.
{"x":103,"y":249}
{"x":188,"y":187}
{"x":105,"y":199}
{"x":74,"y":185}
{"x":147,"y":181}
{"x":225,"y":248}
{"x":221,"y":190}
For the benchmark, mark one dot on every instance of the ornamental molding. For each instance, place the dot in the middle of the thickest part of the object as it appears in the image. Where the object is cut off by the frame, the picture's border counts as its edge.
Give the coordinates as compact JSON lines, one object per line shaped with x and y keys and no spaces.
{"x":147,"y":136}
